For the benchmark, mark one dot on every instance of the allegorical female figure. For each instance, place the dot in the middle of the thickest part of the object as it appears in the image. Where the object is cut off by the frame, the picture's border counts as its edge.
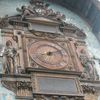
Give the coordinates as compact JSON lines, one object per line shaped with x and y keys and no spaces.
{"x":9,"y":57}
{"x":88,"y":64}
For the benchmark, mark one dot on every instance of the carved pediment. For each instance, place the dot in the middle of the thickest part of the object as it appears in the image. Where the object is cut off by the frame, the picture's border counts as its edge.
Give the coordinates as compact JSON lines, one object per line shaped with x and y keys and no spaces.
{"x":39,"y":17}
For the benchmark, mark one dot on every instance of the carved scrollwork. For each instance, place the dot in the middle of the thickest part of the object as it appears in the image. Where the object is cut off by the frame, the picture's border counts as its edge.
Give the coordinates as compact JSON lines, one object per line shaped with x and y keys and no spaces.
{"x":53,"y":36}
{"x":11,"y":85}
{"x":23,"y":84}
{"x":88,"y":89}
{"x":46,"y":35}
{"x":38,"y":34}
{"x":21,"y":88}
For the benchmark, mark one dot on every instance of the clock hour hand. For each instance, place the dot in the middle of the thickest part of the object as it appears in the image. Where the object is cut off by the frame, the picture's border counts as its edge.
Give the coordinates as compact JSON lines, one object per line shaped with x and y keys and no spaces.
{"x":50,"y":53}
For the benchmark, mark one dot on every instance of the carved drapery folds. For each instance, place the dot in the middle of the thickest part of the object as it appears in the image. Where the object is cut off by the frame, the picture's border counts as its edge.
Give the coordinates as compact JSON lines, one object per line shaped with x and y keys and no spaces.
{"x":89,"y":72}
{"x":13,"y":53}
{"x":9,"y":55}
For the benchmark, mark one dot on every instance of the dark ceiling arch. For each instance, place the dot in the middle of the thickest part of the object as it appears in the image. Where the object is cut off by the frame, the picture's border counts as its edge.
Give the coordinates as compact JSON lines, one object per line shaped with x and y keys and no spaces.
{"x":88,"y":9}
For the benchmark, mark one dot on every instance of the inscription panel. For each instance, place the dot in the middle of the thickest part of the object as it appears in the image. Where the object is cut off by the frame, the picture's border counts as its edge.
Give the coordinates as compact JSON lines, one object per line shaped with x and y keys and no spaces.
{"x":56,"y":84}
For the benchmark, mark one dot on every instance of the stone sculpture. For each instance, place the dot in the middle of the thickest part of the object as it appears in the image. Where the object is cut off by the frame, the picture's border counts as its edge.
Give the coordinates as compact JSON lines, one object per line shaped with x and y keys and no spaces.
{"x":9,"y":56}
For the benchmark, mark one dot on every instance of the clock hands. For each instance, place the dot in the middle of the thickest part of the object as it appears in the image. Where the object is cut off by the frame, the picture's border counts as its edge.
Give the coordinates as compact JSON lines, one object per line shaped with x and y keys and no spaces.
{"x":50,"y":53}
{"x":48,"y":56}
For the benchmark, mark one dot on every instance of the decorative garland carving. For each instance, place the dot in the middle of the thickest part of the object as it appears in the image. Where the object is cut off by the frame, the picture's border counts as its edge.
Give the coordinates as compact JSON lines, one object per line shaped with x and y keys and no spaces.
{"x":52,"y":97}
{"x":23,"y":84}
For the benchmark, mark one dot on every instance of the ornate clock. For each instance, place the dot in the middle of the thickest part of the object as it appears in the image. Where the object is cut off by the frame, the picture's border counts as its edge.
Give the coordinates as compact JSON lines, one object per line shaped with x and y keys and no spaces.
{"x":48,"y":54}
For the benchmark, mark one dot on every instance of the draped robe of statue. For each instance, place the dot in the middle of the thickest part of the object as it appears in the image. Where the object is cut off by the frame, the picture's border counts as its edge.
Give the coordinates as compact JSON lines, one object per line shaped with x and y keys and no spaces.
{"x":88,"y":65}
{"x":9,"y":57}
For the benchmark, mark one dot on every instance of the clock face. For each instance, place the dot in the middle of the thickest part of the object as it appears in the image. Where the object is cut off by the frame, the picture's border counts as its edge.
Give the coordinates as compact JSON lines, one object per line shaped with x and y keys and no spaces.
{"x":48,"y":54}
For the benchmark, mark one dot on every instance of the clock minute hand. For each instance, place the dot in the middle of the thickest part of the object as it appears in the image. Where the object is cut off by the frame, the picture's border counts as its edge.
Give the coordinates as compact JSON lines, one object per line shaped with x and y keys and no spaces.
{"x":52,"y":52}
{"x":47,"y":53}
